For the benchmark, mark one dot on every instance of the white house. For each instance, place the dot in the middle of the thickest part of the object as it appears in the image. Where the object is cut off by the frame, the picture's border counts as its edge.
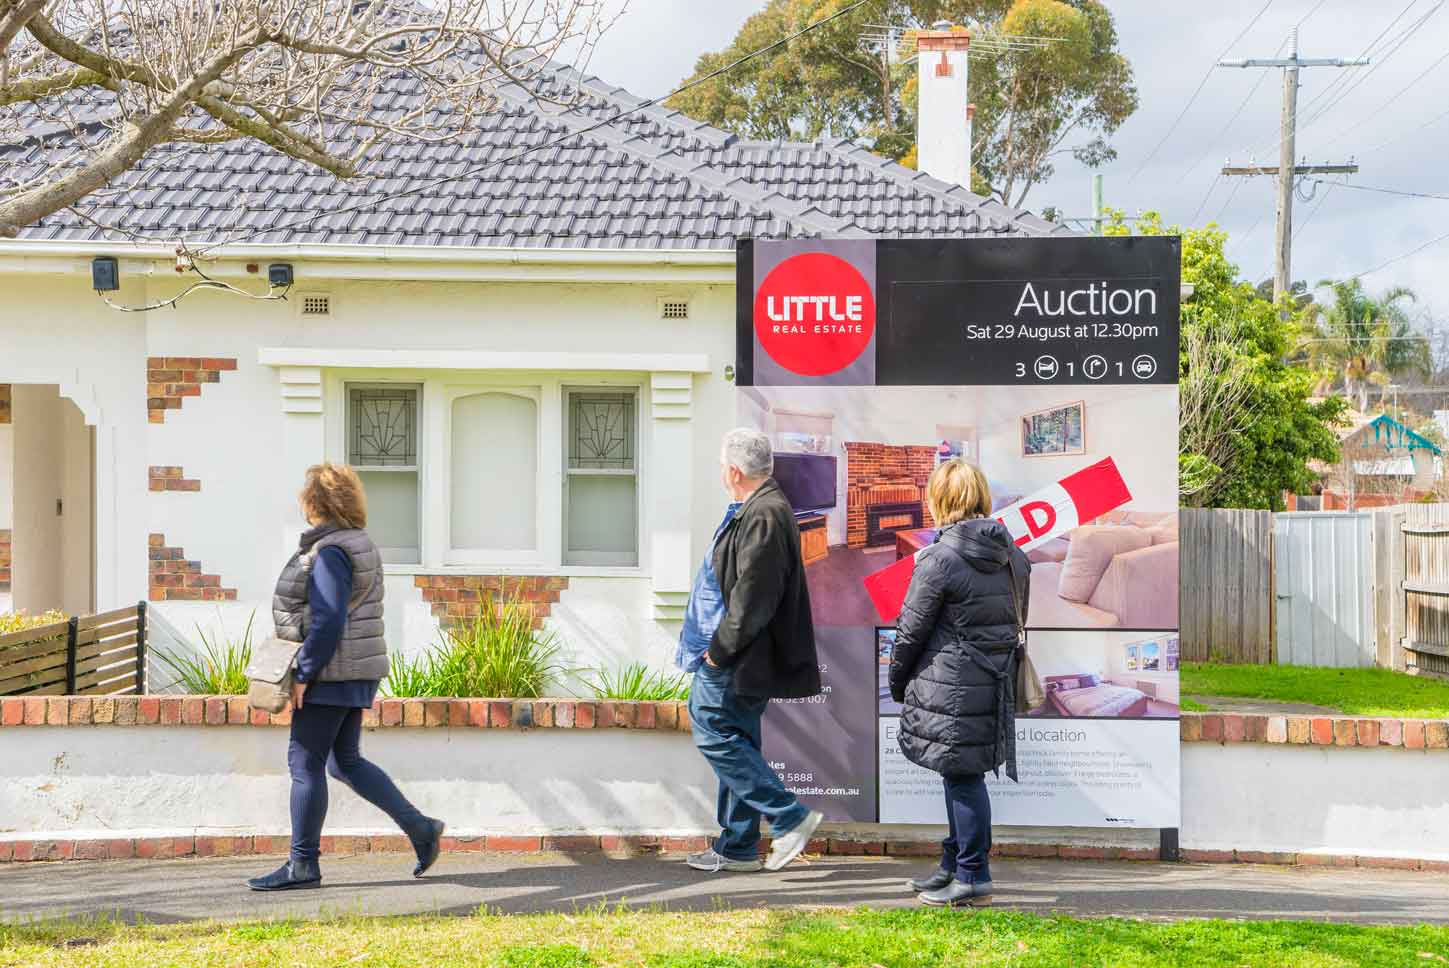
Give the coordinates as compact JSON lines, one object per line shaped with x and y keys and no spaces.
{"x":530,"y":363}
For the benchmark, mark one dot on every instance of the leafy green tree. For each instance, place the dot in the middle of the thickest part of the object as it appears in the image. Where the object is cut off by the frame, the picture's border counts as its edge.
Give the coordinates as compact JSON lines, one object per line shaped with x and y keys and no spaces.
{"x":1249,"y":424}
{"x":1358,"y":339}
{"x":1032,"y":105}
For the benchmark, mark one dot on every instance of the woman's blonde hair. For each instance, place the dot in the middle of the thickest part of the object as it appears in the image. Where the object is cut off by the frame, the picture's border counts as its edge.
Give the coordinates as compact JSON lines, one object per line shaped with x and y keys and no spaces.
{"x":333,"y":492}
{"x":958,"y":491}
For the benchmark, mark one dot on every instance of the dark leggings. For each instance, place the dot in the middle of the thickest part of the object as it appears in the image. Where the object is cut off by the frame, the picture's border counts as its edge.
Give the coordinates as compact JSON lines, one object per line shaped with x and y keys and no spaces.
{"x":966,"y":851}
{"x":326,"y":740}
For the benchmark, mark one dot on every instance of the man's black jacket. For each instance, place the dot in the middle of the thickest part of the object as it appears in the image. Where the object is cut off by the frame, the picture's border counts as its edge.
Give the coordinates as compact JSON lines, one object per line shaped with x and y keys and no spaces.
{"x":766,"y":636}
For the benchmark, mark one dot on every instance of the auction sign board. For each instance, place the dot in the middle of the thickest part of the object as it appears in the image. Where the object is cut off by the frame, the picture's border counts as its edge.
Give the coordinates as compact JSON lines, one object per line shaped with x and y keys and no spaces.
{"x":1052,"y":365}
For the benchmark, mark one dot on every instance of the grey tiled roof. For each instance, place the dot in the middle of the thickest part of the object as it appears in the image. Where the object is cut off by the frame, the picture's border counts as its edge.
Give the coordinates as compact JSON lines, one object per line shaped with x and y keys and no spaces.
{"x":655,"y":179}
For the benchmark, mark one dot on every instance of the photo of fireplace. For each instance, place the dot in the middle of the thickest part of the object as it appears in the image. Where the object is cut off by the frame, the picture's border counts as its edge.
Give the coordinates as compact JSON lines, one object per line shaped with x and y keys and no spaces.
{"x":883,"y":520}
{"x":885,"y":491}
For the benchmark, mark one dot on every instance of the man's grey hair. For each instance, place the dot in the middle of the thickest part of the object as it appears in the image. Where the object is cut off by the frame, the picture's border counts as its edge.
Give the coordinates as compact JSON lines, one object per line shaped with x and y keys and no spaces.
{"x":750,"y":451}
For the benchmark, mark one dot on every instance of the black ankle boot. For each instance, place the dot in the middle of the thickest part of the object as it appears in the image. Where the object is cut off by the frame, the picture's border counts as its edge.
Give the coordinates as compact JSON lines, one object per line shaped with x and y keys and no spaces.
{"x":934,"y":881}
{"x":294,"y":875}
{"x":428,"y":846}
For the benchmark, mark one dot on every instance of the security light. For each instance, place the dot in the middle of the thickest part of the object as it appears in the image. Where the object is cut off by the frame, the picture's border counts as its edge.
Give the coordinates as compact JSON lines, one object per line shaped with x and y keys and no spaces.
{"x":105,"y":274}
{"x":279,"y":274}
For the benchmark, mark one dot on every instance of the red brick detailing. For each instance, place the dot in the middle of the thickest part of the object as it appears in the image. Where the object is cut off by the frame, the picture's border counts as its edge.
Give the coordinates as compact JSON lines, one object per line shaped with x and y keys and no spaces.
{"x":458,"y":598}
{"x":5,"y":559}
{"x":171,"y":379}
{"x":384,"y":714}
{"x":175,"y":579}
{"x":896,"y":474}
{"x":1414,"y":734}
{"x":160,"y":478}
{"x":159,"y":848}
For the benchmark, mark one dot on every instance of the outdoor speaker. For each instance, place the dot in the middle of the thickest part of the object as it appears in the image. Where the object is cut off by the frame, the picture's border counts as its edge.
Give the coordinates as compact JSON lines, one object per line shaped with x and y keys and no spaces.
{"x":105,"y":274}
{"x":279,"y":274}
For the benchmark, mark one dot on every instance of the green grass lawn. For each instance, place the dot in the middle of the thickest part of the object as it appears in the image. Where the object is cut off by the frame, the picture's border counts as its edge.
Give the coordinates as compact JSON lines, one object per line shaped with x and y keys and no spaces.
{"x":1356,"y":692}
{"x":727,"y":939}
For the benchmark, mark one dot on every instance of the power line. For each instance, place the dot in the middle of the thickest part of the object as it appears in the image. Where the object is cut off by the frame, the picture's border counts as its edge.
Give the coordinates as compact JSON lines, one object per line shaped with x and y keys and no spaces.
{"x":1390,"y":100}
{"x":1399,"y":258}
{"x":1358,"y":80}
{"x":562,"y":139}
{"x":1404,"y":134}
{"x":1341,"y":79}
{"x":1201,"y":84}
{"x":1381,"y":191}
{"x":1231,"y":121}
{"x":1319,"y":204}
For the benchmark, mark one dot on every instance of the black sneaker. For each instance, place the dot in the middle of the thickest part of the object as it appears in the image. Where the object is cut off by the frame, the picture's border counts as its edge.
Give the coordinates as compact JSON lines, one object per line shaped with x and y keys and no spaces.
{"x":294,"y":875}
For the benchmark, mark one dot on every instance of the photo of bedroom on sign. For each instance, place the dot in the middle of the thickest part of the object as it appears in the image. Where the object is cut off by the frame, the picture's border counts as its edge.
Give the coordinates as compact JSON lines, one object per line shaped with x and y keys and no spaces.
{"x":1106,"y":675}
{"x":1075,"y":472}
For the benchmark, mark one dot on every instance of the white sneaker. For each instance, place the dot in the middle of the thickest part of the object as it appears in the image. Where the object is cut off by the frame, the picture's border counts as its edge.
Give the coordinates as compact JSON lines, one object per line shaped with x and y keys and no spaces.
{"x":787,"y":847}
{"x":712,"y":862}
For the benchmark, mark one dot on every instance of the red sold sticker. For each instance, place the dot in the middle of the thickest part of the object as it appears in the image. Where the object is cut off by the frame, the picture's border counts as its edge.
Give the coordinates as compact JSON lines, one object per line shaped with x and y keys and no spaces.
{"x":1074,"y":500}
{"x":814,"y":314}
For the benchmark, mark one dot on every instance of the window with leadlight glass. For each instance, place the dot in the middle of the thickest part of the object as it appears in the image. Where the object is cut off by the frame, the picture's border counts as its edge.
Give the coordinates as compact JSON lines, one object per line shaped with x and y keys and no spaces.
{"x":601,"y":476}
{"x":382,"y":446}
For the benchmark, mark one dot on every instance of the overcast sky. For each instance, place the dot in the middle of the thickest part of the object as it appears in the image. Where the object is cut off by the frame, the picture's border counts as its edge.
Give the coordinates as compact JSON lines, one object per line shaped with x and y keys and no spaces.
{"x":1340,"y":233}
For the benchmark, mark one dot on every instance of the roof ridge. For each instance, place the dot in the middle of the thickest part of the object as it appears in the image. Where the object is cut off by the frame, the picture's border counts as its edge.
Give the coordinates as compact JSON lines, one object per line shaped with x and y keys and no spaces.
{"x":943,"y":190}
{"x":919,"y":181}
{"x":806,"y":214}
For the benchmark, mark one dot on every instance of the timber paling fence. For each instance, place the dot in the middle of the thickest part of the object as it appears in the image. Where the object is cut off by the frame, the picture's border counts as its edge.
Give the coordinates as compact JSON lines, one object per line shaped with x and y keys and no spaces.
{"x":1226,"y":585}
{"x":89,"y":655}
{"x":1317,"y":588}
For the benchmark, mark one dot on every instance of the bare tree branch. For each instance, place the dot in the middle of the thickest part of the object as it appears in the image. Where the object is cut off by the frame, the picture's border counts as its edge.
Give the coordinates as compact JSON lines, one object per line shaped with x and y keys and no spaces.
{"x":98,"y":84}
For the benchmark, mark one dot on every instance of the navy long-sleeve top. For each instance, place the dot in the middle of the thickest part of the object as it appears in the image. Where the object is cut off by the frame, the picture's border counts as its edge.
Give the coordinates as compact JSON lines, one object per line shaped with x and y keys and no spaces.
{"x":329,"y":589}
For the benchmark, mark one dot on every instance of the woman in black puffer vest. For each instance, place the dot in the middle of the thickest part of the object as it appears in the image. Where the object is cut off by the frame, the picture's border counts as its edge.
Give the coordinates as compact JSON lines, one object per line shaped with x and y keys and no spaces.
{"x":954,"y":670}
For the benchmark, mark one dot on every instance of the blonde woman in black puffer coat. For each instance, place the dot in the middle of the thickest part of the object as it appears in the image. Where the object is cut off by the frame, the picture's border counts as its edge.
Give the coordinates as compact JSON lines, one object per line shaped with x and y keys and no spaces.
{"x":954,"y":671}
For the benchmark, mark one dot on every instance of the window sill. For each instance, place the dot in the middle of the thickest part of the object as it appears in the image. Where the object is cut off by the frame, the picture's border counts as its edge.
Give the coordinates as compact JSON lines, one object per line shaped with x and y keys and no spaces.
{"x":513,"y":571}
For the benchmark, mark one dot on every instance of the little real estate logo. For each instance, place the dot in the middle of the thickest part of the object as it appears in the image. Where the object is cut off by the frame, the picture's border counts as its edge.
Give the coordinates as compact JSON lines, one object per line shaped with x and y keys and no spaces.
{"x":814,"y":314}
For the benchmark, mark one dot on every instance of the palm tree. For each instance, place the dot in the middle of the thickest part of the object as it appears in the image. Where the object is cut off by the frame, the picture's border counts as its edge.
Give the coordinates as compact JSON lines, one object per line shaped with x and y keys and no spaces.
{"x":1362,"y":339}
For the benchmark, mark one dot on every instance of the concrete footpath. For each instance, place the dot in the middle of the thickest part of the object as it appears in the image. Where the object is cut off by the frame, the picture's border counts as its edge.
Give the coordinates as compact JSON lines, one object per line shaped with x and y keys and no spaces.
{"x":380,"y":884}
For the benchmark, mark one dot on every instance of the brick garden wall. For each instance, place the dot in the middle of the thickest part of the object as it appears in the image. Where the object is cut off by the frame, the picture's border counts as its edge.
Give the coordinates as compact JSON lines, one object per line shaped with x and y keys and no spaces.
{"x":231,"y":712}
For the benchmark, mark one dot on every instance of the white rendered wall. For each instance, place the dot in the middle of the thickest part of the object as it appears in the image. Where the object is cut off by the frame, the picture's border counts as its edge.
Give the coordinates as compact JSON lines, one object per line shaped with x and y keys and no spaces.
{"x":243,"y":523}
{"x":127,"y":781}
{"x":1381,"y":802}
{"x":111,"y":780}
{"x":51,"y":510}
{"x":97,"y":357}
{"x":7,"y":438}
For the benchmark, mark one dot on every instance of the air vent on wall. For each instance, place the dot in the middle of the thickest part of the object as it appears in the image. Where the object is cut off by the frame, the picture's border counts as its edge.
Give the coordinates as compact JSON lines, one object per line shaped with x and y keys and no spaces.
{"x":316,"y":304}
{"x":673,"y":309}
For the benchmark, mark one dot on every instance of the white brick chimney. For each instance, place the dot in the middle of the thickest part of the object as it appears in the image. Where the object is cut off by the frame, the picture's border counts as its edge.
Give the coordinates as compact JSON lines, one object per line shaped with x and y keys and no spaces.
{"x":943,"y":119}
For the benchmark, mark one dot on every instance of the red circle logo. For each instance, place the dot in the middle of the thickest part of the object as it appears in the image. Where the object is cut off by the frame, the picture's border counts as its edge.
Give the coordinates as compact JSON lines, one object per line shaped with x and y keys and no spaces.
{"x":814,"y":314}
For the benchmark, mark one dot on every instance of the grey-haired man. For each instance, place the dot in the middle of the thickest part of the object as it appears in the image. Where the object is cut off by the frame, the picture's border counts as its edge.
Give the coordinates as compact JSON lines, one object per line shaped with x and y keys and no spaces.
{"x":748,"y":638}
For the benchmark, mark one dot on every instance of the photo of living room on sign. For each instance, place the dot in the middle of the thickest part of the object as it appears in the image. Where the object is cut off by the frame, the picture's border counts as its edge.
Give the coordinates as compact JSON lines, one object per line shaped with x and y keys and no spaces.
{"x":1114,"y":674}
{"x":854,"y":463}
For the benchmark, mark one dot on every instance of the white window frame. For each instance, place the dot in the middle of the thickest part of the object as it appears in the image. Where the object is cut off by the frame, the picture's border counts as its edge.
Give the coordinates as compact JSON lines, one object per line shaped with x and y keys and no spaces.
{"x":439,"y":388}
{"x":601,"y":558}
{"x":416,"y":468}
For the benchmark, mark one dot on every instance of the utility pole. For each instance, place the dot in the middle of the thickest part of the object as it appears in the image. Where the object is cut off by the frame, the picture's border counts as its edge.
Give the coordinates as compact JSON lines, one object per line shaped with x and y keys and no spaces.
{"x":1097,"y":206}
{"x":1286,"y":170}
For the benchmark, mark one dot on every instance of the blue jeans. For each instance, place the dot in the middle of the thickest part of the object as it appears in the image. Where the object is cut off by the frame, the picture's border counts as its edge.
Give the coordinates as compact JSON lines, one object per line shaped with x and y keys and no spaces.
{"x":726,"y":730}
{"x":966,"y":851}
{"x":326,"y":739}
